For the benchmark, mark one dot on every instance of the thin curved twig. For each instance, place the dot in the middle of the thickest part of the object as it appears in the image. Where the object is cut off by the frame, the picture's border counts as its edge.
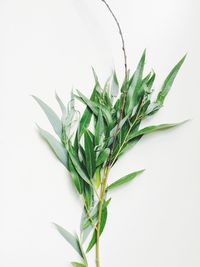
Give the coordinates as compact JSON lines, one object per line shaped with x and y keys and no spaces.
{"x":121,"y":36}
{"x":125,"y":83}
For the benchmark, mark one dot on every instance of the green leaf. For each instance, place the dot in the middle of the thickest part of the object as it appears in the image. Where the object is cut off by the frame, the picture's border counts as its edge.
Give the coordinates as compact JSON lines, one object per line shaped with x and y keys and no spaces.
{"x":106,"y":97}
{"x":78,"y":167}
{"x":67,"y":117}
{"x":86,"y":225}
{"x":81,"y":154}
{"x":154,"y":128}
{"x":140,"y":93}
{"x":90,"y":218}
{"x":56,"y":146}
{"x":86,"y":231}
{"x":98,"y":87}
{"x":62,"y":107}
{"x":153,"y":108}
{"x":51,"y":115}
{"x":99,"y":130}
{"x":82,"y":250}
{"x":117,"y":129}
{"x":106,"y":113}
{"x":124,"y":87}
{"x":95,"y":106}
{"x":124,"y":179}
{"x":168,"y":82}
{"x":88,"y":102}
{"x":78,"y":182}
{"x":98,"y":177}
{"x":71,"y":239}
{"x":93,"y":215}
{"x":88,"y":196}
{"x":133,"y":88}
{"x":76,"y":264}
{"x":89,"y":154}
{"x":102,"y":225}
{"x":115,"y":86}
{"x":103,"y":156}
{"x":151,"y":81}
{"x":86,"y":117}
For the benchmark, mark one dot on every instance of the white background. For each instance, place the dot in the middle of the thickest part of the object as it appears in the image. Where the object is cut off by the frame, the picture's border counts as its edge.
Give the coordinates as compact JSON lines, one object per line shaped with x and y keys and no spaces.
{"x":51,"y":45}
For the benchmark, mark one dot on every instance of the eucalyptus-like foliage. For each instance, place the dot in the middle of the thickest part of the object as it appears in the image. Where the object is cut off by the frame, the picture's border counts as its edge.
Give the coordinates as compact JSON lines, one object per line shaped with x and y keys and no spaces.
{"x":89,"y":145}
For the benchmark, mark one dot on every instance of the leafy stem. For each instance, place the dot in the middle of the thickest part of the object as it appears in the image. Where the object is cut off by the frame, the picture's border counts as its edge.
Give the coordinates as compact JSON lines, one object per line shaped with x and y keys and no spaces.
{"x":126,"y":78}
{"x":101,"y":202}
{"x":107,"y":168}
{"x":127,"y":135}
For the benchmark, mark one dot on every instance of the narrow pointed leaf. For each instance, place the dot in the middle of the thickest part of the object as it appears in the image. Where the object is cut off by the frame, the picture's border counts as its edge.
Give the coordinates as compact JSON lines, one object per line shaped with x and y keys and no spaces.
{"x":132,"y":91}
{"x":98,"y":177}
{"x":124,"y":180}
{"x":71,"y":239}
{"x":75,"y":177}
{"x":169,"y":81}
{"x":153,"y":108}
{"x":88,"y":102}
{"x":55,"y":145}
{"x":88,"y":196}
{"x":88,"y":230}
{"x":95,"y":75}
{"x":51,"y":115}
{"x":151,"y":81}
{"x":81,"y":154}
{"x":95,"y":106}
{"x":89,"y":154}
{"x":99,"y":130}
{"x":62,"y":107}
{"x":139,"y":93}
{"x":102,"y":225}
{"x":106,"y":113}
{"x":103,"y":156}
{"x":84,"y":232}
{"x":98,"y":87}
{"x":86,"y":225}
{"x":154,"y":128}
{"x":117,"y":129}
{"x":82,"y":250}
{"x":78,"y":167}
{"x":94,"y":214}
{"x":107,"y":101}
{"x":114,"y":86}
{"x":86,"y":117}
{"x":124,"y":87}
{"x":89,"y":217}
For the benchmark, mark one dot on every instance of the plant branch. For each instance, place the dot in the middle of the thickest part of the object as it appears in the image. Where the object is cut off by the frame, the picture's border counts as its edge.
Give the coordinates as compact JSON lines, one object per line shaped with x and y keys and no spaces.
{"x":121,"y":36}
{"x":107,"y":168}
{"x":126,"y":78}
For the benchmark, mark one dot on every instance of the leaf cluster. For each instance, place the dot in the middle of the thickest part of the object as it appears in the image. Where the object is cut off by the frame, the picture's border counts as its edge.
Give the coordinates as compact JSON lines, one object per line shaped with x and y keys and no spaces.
{"x":108,"y":127}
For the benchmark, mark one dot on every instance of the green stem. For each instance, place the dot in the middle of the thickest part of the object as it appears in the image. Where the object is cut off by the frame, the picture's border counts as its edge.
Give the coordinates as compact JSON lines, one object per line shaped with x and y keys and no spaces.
{"x":101,"y":201}
{"x":108,"y":166}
